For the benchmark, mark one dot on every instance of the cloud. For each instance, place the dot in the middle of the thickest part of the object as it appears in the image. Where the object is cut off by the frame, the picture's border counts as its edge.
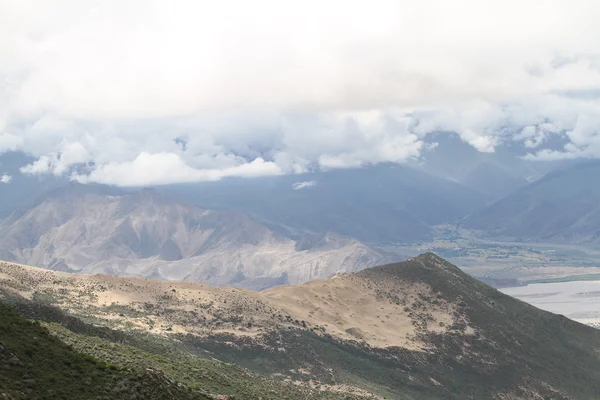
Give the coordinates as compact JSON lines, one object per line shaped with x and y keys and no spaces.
{"x":9,"y":142}
{"x":584,"y":140}
{"x":163,"y":168}
{"x":207,"y":89}
{"x":303,"y":185}
{"x":5,"y":179}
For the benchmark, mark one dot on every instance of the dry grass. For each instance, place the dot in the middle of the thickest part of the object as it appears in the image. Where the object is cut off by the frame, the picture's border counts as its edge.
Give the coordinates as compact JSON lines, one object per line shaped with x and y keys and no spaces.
{"x":348,"y":307}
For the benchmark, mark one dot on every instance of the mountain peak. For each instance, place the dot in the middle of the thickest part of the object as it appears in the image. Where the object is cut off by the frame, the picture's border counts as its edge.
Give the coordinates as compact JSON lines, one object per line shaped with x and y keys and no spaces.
{"x":409,"y":330}
{"x":428,"y":257}
{"x":423,"y":265}
{"x":75,"y":189}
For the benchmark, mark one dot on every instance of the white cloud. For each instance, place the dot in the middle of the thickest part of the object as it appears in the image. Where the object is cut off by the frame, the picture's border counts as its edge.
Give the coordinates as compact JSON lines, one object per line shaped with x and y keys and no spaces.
{"x":42,"y":165}
{"x":297,"y":85}
{"x":303,"y":185}
{"x":533,"y":136}
{"x":584,"y":140}
{"x":163,"y":168}
{"x":9,"y":142}
{"x":59,"y":163}
{"x":5,"y":179}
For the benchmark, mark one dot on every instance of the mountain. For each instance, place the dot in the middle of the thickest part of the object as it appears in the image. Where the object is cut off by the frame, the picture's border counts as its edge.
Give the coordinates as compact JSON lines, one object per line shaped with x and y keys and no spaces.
{"x":563,"y":206}
{"x":36,"y":365}
{"x":38,"y":362}
{"x":493,"y":180}
{"x":98,"y":229}
{"x":497,"y":173}
{"x":379,"y":204}
{"x":18,"y":191}
{"x":420,"y":329}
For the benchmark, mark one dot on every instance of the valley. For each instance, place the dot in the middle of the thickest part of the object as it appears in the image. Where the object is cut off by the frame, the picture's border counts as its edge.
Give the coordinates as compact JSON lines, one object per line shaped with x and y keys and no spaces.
{"x":577,"y":300}
{"x":510,"y":263}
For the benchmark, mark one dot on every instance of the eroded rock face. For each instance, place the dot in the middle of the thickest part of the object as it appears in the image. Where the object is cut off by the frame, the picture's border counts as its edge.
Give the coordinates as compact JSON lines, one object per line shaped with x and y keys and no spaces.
{"x":147,"y":234}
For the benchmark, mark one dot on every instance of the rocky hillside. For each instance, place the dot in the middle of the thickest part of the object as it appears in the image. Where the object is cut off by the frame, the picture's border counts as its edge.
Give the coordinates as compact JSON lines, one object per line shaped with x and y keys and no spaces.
{"x":420,"y":329}
{"x":96,"y":230}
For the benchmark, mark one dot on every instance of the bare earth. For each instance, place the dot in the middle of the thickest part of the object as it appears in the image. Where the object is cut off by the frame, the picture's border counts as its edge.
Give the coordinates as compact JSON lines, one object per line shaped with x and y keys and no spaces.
{"x":346,"y":306}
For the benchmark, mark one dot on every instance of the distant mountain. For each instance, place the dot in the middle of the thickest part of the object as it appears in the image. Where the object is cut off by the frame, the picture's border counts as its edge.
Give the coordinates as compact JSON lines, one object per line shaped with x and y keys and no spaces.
{"x":18,"y":191}
{"x":98,"y":229}
{"x":493,"y":180}
{"x":420,"y":329}
{"x":563,"y":206}
{"x":380,"y":204}
{"x":496,"y":174}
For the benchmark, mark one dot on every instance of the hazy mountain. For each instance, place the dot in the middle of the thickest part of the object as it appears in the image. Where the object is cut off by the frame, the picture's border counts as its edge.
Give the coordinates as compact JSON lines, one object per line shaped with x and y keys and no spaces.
{"x":93,"y":228}
{"x":493,"y":179}
{"x":18,"y":191}
{"x":420,"y":329}
{"x":562,"y":206}
{"x":379,"y":204}
{"x":496,"y":174}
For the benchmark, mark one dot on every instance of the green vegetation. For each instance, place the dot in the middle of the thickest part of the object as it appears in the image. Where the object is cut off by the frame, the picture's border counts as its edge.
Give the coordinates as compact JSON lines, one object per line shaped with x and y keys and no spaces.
{"x":36,"y":365}
{"x":515,"y":344}
{"x":570,"y":278}
{"x":198,"y":373}
{"x":75,"y":360}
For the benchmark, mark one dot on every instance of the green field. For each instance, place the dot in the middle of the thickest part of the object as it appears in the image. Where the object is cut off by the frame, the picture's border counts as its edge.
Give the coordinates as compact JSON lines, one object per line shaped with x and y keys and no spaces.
{"x":570,"y":278}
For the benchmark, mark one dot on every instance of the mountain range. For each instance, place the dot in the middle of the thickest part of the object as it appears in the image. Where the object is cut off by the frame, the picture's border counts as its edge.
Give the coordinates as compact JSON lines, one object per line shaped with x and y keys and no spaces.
{"x":420,"y":329}
{"x":98,"y":229}
{"x":563,"y":206}
{"x":381,"y":204}
{"x":496,"y":174}
{"x":261,"y":232}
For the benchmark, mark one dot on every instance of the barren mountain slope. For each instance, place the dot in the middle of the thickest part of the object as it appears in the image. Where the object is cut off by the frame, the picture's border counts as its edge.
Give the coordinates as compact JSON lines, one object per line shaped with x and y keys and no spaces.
{"x":147,"y":234}
{"x":345,"y":306}
{"x":421,"y":329}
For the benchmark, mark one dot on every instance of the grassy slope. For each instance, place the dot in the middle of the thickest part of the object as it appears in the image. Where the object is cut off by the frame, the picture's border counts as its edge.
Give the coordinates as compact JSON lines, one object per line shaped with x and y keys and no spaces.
{"x":516,"y":341}
{"x":514,"y":346}
{"x":200,"y":375}
{"x":36,"y":365}
{"x":516,"y":349}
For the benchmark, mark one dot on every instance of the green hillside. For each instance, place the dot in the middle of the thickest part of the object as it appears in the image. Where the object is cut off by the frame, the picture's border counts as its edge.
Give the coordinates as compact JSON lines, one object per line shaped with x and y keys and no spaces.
{"x":79,"y":361}
{"x":36,"y":365}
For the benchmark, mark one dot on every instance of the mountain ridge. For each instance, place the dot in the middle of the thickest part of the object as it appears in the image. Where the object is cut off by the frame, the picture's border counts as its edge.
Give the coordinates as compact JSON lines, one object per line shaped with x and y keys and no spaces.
{"x":146,"y":233}
{"x":562,"y":206}
{"x":419,"y":329}
{"x":377,"y":204}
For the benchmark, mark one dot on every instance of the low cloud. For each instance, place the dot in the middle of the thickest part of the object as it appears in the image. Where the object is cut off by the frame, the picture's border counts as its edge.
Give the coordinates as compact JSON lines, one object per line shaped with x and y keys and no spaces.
{"x":303,"y":185}
{"x":5,"y":179}
{"x":164,"y":168}
{"x":110,"y":91}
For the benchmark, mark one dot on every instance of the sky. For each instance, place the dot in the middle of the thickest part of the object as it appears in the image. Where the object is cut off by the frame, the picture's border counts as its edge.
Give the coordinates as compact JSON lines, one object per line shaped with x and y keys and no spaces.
{"x":143,"y":92}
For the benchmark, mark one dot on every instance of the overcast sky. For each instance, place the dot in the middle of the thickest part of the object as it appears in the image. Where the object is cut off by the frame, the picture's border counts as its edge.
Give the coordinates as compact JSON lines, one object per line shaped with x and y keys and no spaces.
{"x":150,"y":92}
